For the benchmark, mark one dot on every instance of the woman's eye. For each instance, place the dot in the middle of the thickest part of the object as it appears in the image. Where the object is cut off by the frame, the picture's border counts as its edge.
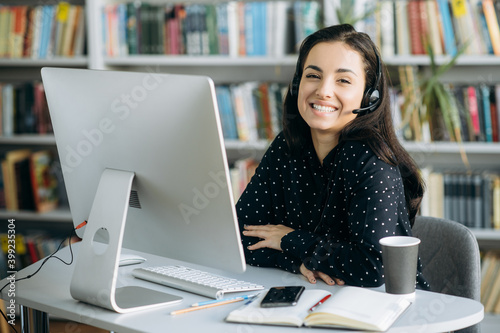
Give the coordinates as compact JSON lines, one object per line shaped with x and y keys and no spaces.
{"x":344,"y":81}
{"x":313,"y":76}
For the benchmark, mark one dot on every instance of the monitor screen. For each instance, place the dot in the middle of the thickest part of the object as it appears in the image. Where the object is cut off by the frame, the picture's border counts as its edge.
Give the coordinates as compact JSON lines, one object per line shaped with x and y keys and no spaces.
{"x":166,"y":130}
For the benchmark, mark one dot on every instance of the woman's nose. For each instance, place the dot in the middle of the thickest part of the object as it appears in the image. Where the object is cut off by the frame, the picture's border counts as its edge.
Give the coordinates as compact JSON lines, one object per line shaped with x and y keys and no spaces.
{"x":325,"y":89}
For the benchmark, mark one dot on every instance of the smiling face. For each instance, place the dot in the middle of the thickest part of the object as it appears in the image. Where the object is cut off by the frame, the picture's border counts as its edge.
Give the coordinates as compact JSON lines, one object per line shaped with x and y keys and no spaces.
{"x":331,"y":87}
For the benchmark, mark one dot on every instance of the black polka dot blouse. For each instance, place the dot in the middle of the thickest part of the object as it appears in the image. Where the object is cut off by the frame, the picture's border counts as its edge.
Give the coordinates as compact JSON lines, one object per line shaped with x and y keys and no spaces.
{"x":339,"y":211}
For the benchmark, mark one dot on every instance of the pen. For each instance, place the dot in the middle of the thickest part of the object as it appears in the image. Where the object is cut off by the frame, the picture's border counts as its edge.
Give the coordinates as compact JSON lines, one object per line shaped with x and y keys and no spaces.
{"x":251,"y":300}
{"x":194,"y":308}
{"x":320,"y":302}
{"x":222,"y":300}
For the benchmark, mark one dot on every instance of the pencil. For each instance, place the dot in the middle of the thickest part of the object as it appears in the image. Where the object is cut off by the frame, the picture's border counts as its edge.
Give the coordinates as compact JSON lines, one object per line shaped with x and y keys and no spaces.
{"x":222,"y":300}
{"x":201,"y":307}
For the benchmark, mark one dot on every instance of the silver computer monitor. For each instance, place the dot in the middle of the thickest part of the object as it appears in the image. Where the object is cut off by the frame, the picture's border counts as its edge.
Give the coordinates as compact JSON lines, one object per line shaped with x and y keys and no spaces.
{"x":155,"y":140}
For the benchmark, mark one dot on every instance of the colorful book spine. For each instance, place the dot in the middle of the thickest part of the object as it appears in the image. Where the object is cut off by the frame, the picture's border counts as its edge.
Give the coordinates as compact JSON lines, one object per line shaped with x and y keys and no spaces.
{"x":41,"y":31}
{"x":493,"y":25}
{"x":448,"y":33}
{"x":488,"y":127}
{"x":473,"y":110}
{"x":415,"y":28}
{"x":234,"y":28}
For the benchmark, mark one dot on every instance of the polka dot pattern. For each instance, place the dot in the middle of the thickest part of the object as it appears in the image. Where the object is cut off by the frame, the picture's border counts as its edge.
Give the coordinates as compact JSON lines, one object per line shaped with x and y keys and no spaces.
{"x":339,"y":210}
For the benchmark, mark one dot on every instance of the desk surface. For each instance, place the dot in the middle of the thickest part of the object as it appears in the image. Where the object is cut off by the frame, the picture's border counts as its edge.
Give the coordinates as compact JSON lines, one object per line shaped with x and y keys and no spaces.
{"x":48,"y":291}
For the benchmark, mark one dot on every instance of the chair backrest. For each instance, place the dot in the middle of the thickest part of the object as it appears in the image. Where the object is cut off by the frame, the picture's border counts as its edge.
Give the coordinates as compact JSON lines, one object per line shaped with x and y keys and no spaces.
{"x":450,"y":258}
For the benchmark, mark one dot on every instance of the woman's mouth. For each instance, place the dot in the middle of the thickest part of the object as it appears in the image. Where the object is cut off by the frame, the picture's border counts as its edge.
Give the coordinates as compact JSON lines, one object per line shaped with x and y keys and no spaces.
{"x":323,"y":108}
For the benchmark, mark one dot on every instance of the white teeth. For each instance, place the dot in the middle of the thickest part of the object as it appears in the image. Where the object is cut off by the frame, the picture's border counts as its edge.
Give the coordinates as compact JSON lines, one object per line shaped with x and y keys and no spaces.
{"x":322,"y":108}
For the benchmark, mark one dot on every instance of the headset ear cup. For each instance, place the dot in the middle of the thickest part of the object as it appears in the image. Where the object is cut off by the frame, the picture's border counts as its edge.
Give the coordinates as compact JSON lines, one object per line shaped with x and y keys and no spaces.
{"x":370,"y":101}
{"x":374,"y":97}
{"x":366,"y":102}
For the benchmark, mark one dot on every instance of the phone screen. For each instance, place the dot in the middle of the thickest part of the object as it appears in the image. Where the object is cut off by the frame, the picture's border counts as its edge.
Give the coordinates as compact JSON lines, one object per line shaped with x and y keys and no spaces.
{"x":282,"y":296}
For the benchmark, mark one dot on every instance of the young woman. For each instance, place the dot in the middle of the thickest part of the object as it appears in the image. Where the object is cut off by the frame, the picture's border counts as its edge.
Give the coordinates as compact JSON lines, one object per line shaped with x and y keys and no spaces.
{"x":336,"y":180}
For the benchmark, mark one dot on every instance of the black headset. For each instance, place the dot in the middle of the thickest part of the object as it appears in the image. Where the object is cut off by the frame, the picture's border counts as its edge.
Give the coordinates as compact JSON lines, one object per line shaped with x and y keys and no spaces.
{"x":371,"y":99}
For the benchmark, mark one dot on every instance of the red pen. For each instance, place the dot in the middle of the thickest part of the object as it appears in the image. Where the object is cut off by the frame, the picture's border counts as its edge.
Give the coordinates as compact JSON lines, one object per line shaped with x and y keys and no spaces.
{"x":320,"y":302}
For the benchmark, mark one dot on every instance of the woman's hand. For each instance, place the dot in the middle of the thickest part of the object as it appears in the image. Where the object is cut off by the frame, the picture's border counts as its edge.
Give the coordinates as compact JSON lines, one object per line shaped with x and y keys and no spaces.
{"x":270,"y":234}
{"x":312,"y":275}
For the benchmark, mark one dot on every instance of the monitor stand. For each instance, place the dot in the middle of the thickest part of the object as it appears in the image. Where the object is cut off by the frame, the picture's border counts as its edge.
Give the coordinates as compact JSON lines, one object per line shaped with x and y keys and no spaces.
{"x":96,"y":268}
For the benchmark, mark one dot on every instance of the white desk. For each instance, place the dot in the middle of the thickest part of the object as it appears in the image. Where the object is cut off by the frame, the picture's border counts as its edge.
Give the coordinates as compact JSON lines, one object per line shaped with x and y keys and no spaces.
{"x":48,"y":292}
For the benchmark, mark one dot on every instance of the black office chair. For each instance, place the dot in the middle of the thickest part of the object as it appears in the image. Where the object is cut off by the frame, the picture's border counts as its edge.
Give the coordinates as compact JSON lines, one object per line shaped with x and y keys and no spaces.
{"x":450,"y":258}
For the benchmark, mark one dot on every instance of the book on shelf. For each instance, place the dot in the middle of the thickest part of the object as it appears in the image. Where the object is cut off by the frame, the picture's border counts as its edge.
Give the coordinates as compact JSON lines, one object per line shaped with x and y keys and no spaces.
{"x":490,"y":281}
{"x":417,"y":28}
{"x":250,"y":111}
{"x":233,"y":28}
{"x":434,"y":27}
{"x":15,"y":169}
{"x":227,"y":115}
{"x":42,"y":31}
{"x":29,"y":181}
{"x":477,"y":105}
{"x":376,"y":312}
{"x":448,"y":25}
{"x":470,"y":198}
{"x":492,"y":23}
{"x":23,"y":109}
{"x":241,"y":172}
{"x":44,"y":184}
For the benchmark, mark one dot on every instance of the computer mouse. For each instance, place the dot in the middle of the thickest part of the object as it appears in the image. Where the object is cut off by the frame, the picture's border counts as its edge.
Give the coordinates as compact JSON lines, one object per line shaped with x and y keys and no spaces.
{"x":130,"y":259}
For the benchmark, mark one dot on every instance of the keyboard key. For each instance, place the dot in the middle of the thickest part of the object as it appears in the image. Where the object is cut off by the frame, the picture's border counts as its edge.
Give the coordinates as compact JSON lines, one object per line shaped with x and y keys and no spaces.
{"x":194,"y":281}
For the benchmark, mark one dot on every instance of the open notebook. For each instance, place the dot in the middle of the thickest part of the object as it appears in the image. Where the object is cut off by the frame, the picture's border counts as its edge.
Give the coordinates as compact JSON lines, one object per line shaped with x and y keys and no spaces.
{"x":348,"y":307}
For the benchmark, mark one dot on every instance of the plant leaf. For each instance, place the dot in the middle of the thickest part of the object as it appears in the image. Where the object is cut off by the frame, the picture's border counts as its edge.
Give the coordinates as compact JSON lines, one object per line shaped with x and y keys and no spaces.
{"x":446,"y":67}
{"x":445,"y":109}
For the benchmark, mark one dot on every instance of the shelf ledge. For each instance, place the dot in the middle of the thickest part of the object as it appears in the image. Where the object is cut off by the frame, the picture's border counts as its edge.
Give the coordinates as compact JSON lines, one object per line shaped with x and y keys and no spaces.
{"x":203,"y":61}
{"x":453,"y":147}
{"x":59,"y":215}
{"x":288,"y":60}
{"x":471,"y":148}
{"x":28,"y":139}
{"x":423,"y":60}
{"x":56,"y":61}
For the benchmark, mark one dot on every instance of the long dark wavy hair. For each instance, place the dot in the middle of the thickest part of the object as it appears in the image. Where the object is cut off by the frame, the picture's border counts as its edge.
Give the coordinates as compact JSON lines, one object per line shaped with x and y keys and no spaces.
{"x":375,"y":128}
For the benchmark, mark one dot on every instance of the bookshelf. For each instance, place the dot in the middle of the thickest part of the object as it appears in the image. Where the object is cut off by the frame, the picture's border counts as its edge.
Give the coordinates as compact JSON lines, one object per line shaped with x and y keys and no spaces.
{"x":18,"y":68}
{"x":276,"y":68}
{"x":471,"y":68}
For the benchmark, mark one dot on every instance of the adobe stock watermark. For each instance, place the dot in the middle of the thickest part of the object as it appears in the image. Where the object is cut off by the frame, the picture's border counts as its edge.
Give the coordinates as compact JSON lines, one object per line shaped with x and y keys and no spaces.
{"x":423,"y":316}
{"x":11,"y":272}
{"x":121,"y":108}
{"x":203,"y":195}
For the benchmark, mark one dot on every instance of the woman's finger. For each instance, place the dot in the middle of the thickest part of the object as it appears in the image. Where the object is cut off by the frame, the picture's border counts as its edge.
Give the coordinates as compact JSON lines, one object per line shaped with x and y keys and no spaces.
{"x":309,"y":275}
{"x":256,"y":246}
{"x":339,"y":281}
{"x":325,"y":277}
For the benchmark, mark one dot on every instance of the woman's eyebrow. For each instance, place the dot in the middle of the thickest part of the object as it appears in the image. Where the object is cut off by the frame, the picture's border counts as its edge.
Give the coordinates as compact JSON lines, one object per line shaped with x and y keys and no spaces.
{"x":314,"y":67}
{"x":339,"y":70}
{"x":346,"y":70}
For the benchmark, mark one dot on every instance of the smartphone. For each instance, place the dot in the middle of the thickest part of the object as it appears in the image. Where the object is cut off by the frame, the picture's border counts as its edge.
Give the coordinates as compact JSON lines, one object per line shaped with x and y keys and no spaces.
{"x":282,"y":296}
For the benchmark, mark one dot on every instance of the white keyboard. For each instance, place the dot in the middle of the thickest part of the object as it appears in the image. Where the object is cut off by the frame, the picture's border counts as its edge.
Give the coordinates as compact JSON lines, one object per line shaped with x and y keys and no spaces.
{"x":194,"y":281}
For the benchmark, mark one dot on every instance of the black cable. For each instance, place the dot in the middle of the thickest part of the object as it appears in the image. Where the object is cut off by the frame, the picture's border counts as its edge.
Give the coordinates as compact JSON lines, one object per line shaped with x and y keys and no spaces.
{"x":52,"y":255}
